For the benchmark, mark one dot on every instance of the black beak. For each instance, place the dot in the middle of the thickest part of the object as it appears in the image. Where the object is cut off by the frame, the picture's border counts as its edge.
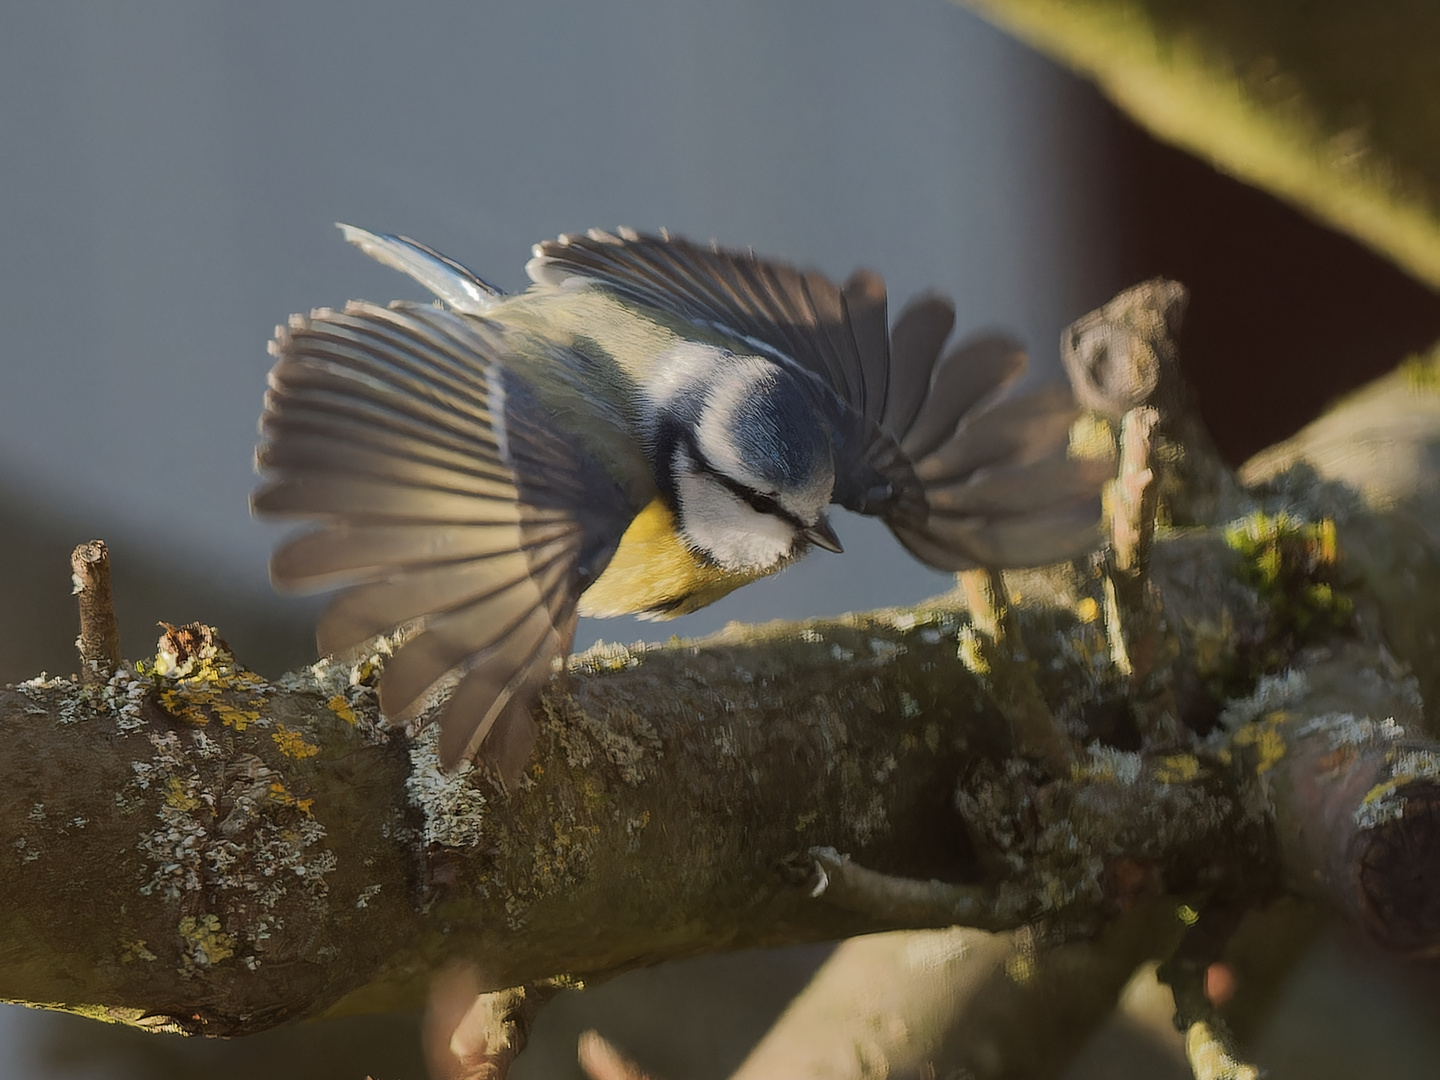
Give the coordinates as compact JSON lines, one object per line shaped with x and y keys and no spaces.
{"x":822,"y":534}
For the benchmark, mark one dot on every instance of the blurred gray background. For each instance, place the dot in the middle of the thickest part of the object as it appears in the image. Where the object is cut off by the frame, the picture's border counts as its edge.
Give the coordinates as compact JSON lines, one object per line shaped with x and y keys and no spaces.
{"x":172,"y":172}
{"x":169,"y":177}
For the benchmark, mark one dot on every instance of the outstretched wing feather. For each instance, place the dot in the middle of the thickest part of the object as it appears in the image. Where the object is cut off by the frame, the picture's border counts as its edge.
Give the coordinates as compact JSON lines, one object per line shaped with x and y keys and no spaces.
{"x":472,"y":632}
{"x":966,"y":375}
{"x":1020,"y":488}
{"x":798,"y":316}
{"x":375,"y":607}
{"x":453,"y":283}
{"x":915,"y":343}
{"x":1016,"y":430}
{"x":911,"y":426}
{"x":503,"y":725}
{"x":347,"y":552}
{"x":865,"y":312}
{"x":449,"y":504}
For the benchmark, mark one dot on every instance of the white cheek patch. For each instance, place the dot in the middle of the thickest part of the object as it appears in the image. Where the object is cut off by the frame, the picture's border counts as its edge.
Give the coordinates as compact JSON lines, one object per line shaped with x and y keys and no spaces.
{"x":726,"y":528}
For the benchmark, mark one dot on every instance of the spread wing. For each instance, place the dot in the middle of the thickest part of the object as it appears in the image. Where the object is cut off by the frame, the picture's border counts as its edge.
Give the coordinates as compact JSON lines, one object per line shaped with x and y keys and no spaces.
{"x":449,"y":505}
{"x":925,"y":437}
{"x":797,"y":316}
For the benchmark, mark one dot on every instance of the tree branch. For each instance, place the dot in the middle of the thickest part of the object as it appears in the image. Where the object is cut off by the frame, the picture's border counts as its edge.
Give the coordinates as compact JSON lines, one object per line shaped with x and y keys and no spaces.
{"x":190,"y":846}
{"x":241,"y":852}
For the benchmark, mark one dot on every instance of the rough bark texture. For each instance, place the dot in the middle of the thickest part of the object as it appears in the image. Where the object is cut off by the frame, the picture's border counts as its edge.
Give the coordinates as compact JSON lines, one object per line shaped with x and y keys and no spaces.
{"x":195,"y":844}
{"x":189,"y":846}
{"x":240,"y":853}
{"x":99,"y":640}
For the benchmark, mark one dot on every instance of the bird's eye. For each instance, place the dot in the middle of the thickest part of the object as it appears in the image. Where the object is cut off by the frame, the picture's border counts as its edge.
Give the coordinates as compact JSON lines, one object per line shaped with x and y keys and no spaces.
{"x":764,"y":503}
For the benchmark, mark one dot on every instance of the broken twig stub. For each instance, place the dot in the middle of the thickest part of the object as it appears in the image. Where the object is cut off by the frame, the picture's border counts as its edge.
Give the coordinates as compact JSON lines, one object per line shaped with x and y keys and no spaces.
{"x":99,"y":640}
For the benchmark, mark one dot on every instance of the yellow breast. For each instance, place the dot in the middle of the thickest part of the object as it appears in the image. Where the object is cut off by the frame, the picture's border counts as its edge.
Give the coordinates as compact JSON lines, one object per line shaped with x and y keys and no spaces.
{"x":654,"y":575}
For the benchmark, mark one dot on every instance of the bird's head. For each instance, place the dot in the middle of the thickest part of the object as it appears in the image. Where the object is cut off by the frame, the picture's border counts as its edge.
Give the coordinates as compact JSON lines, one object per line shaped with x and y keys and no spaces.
{"x":752,"y":469}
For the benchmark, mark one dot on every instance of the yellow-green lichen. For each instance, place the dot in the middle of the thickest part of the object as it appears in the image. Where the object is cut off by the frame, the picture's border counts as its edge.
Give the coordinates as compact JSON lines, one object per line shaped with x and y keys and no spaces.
{"x":229,"y":830}
{"x":281,"y":796}
{"x":341,"y":708}
{"x":206,"y":944}
{"x":205,"y":683}
{"x":1292,"y":564}
{"x":1021,"y":964}
{"x":1384,"y":802}
{"x":293,"y":743}
{"x":1177,"y":769}
{"x":970,"y":650}
{"x":1266,"y":741}
{"x":178,"y":794}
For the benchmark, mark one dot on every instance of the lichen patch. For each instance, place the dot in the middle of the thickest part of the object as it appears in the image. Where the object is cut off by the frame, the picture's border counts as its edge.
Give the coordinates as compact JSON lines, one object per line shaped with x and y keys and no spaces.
{"x":606,"y":656}
{"x":230,"y":835}
{"x":293,"y":744}
{"x":1271,"y":693}
{"x":206,"y":943}
{"x":1385,"y":801}
{"x":197,"y":679}
{"x":451,"y":805}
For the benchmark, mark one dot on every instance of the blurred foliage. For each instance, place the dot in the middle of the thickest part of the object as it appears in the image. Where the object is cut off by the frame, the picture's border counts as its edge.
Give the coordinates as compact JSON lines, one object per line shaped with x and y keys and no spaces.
{"x":1291,"y":564}
{"x":1330,"y":104}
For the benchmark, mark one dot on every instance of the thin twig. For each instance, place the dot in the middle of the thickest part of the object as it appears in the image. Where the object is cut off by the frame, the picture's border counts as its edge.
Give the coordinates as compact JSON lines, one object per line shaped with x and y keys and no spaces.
{"x":1001,"y":659}
{"x":908,"y":902}
{"x":1135,"y":494}
{"x":1134,"y":619}
{"x":99,"y":640}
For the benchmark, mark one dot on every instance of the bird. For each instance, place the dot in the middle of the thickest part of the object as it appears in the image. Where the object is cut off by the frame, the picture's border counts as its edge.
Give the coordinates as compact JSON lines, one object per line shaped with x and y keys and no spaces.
{"x":650,"y":425}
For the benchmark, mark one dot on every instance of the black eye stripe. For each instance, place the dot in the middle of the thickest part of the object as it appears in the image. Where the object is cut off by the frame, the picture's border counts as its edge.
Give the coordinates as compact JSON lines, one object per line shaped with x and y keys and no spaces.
{"x":761,"y":504}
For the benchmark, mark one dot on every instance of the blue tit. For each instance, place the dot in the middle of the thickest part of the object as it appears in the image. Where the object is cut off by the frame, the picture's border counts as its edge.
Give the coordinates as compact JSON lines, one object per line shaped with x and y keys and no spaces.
{"x":649,"y":426}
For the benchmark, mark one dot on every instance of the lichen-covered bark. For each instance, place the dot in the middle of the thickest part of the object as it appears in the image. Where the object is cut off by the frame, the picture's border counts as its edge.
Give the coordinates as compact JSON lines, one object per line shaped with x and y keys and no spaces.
{"x":199,"y":847}
{"x":669,"y":785}
{"x":1351,"y":786}
{"x":211,"y":855}
{"x":196,"y":844}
